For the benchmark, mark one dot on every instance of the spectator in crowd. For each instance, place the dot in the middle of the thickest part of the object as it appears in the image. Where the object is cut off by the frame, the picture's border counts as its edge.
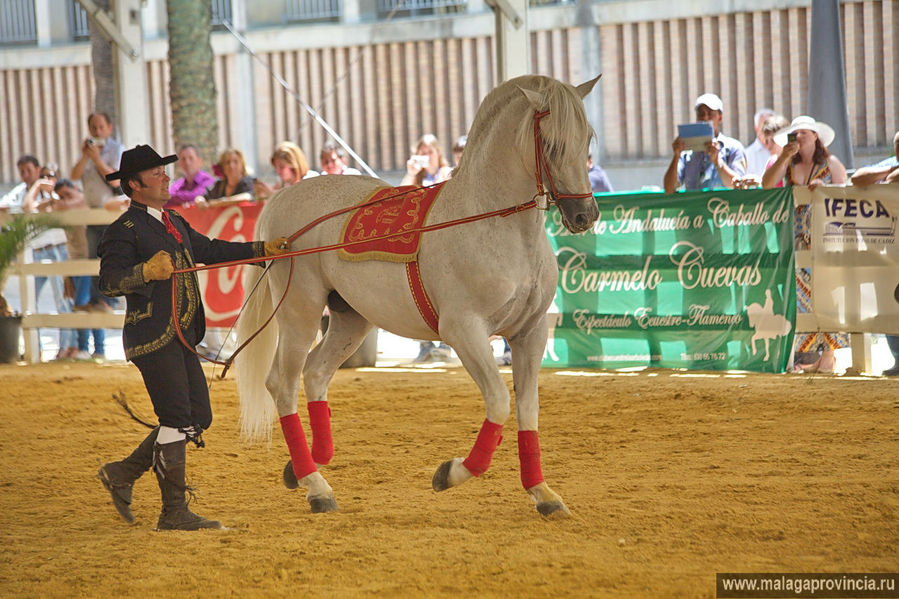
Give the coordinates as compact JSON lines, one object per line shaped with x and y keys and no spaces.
{"x":290,"y":165}
{"x":885,"y":171}
{"x":52,"y":245}
{"x":333,"y":160}
{"x":757,"y":153}
{"x":29,"y":172}
{"x":723,"y":160}
{"x":71,"y":198}
{"x":805,"y":160}
{"x":195,"y":181}
{"x":234,"y":186}
{"x":427,"y":165}
{"x":769,"y":128}
{"x":458,"y":149}
{"x":599,"y":181}
{"x":138,"y":253}
{"x":35,"y":193}
{"x":99,"y":152}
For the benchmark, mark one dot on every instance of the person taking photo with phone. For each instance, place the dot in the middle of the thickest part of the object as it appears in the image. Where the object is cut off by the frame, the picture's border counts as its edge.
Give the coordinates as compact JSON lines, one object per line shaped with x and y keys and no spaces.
{"x":427,"y":166}
{"x":805,"y":159}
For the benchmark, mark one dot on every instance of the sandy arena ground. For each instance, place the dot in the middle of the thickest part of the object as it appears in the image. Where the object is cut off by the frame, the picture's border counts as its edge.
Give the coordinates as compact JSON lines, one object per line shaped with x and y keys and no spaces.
{"x":670,"y":478}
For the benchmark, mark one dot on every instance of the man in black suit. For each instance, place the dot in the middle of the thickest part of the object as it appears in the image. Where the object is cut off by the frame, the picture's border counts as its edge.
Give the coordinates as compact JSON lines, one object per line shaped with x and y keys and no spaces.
{"x":138,"y":254}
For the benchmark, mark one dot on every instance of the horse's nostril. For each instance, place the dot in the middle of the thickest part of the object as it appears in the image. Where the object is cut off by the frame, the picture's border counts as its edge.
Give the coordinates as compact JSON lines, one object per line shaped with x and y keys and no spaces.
{"x":581,"y":221}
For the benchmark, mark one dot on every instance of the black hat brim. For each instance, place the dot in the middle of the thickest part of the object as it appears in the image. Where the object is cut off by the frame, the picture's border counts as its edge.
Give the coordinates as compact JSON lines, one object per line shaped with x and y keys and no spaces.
{"x":163,"y":160}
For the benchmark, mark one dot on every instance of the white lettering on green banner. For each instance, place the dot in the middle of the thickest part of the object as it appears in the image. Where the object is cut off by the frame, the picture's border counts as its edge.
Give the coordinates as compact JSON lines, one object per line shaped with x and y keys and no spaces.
{"x":700,"y":280}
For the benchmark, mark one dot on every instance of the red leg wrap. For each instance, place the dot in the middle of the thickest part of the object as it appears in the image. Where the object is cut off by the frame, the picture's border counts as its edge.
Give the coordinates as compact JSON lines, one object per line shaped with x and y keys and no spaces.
{"x":300,"y":457}
{"x":320,"y":422}
{"x":529,"y":456}
{"x":488,"y":440}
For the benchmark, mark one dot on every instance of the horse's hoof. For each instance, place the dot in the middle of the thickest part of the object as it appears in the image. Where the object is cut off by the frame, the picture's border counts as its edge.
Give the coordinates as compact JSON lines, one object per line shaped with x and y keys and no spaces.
{"x":555,"y":509}
{"x":289,"y":478}
{"x":321,"y":505}
{"x":440,"y":481}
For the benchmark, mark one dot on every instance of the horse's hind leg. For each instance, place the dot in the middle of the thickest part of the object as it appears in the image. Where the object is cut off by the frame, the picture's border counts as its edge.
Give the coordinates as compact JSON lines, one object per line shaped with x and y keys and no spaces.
{"x":346,"y":331}
{"x":283,"y":384}
{"x":527,"y":352}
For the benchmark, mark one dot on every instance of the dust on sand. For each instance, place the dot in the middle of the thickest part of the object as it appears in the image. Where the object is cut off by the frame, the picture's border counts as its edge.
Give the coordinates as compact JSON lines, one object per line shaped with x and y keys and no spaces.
{"x":670,"y":478}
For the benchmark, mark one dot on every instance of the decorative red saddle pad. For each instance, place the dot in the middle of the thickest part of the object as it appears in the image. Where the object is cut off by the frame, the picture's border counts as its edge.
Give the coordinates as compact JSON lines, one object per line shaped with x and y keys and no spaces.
{"x":376,"y":217}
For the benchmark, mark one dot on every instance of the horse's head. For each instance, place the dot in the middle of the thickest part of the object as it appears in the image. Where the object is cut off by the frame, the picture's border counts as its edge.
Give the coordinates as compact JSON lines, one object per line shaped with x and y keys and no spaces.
{"x":560,"y":137}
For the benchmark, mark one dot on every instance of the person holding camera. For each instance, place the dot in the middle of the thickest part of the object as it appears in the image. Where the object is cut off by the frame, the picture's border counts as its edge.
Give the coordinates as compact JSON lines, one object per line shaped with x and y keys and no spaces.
{"x":721,"y":163}
{"x":427,"y":166}
{"x":98,"y":153}
{"x":805,"y":159}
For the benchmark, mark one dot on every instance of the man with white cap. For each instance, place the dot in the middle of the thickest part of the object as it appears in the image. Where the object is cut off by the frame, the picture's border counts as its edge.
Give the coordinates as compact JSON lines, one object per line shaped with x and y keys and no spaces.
{"x":723,"y":160}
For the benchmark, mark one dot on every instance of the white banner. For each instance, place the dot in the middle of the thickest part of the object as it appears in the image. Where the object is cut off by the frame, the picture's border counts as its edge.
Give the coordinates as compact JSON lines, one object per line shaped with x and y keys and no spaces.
{"x":847,"y":259}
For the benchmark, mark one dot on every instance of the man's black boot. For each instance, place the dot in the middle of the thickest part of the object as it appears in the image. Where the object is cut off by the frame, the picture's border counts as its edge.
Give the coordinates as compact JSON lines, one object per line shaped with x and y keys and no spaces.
{"x":119,"y":477}
{"x":169,"y":464}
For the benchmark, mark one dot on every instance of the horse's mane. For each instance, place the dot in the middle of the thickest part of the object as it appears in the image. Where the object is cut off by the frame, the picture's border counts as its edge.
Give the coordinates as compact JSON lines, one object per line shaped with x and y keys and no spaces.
{"x":562,"y":131}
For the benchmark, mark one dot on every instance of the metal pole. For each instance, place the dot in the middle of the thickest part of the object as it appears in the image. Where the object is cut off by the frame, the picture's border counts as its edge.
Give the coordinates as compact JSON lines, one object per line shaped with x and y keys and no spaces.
{"x":827,"y":77}
{"x":309,"y":109}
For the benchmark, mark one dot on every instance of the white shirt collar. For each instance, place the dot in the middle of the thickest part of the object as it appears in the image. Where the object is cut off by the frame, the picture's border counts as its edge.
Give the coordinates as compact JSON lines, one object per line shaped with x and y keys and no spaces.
{"x":157,"y":214}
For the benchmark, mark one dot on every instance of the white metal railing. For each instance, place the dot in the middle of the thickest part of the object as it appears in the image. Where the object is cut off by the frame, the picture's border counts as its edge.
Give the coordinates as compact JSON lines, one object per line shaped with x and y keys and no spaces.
{"x":418,"y":7}
{"x":78,"y":24}
{"x":17,"y":24}
{"x":32,"y":320}
{"x":312,"y":10}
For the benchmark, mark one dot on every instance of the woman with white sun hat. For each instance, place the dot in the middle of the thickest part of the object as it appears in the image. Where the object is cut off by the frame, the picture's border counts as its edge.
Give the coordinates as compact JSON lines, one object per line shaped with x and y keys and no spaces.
{"x":805,"y":159}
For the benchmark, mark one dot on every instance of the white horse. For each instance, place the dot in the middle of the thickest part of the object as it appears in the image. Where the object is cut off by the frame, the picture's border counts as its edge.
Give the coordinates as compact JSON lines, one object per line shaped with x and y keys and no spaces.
{"x":493,"y":276}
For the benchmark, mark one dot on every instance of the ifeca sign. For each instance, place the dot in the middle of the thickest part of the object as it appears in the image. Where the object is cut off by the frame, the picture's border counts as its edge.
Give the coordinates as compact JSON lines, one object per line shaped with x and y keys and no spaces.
{"x":700,"y":280}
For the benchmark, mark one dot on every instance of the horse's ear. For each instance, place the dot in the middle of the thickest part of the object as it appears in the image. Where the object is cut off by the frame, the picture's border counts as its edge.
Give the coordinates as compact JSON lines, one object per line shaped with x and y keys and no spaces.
{"x":535,"y":98}
{"x":585,"y":88}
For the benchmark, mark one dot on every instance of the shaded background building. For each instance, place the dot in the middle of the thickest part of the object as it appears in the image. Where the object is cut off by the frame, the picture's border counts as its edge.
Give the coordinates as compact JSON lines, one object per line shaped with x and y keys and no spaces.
{"x":381,"y":72}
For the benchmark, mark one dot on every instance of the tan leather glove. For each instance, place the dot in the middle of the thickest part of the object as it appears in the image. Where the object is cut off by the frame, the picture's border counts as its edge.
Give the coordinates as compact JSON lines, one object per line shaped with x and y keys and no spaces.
{"x":276,"y":247}
{"x":159,"y":267}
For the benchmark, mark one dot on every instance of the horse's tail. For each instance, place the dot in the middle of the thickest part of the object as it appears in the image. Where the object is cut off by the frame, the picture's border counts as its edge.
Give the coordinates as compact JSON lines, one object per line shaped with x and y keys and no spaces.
{"x":257,"y":408}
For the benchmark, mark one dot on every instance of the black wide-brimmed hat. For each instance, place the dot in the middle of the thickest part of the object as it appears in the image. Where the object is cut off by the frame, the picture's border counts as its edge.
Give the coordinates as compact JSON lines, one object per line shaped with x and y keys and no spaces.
{"x":137,"y":159}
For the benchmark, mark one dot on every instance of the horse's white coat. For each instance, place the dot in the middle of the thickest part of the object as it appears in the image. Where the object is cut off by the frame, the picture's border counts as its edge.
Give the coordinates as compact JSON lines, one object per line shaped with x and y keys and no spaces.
{"x":494,"y":276}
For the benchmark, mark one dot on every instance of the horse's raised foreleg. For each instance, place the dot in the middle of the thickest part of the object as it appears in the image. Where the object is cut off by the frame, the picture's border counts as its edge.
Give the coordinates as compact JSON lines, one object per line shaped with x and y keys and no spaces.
{"x":283,"y":384}
{"x":477,"y":357}
{"x":346,"y":331}
{"x":527,"y":352}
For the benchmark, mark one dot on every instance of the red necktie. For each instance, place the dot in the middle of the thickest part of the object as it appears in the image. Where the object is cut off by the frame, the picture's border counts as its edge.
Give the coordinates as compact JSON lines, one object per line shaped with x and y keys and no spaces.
{"x":170,"y":227}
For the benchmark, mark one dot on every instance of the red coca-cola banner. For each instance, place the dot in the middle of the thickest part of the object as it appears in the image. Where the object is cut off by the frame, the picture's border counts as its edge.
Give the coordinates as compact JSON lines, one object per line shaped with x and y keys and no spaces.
{"x":222,"y":288}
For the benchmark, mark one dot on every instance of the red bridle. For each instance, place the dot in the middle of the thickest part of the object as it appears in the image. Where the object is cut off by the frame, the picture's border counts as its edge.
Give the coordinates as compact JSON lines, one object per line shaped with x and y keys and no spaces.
{"x":541,"y":168}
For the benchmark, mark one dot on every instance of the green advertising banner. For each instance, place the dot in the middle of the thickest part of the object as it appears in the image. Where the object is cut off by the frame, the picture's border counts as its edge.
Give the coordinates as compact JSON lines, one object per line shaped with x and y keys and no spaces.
{"x":700,"y":280}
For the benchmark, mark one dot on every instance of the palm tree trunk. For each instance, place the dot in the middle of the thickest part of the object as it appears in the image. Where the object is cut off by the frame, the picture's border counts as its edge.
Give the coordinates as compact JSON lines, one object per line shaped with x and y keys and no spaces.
{"x":192,"y":93}
{"x":104,"y":77}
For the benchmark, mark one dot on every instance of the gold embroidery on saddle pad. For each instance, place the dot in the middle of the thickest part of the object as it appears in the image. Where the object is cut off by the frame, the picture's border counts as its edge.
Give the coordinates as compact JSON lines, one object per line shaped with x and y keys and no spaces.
{"x":375,"y":219}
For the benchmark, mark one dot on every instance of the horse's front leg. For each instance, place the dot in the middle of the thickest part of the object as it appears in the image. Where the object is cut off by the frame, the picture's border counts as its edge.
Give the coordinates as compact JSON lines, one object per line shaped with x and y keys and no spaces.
{"x":476,"y":355}
{"x":527,"y":353}
{"x":283,"y":383}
